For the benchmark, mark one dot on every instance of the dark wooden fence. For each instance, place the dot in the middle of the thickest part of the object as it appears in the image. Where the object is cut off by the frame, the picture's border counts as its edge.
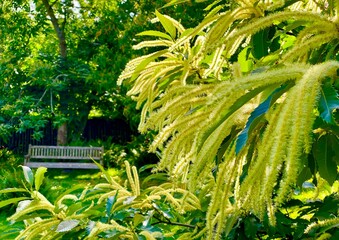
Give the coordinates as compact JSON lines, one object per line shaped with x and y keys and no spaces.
{"x":116,"y":130}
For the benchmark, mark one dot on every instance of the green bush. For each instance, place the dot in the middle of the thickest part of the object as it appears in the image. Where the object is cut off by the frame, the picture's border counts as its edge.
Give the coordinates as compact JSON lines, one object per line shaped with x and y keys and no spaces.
{"x":152,"y":209}
{"x":106,"y":210}
{"x":8,"y":158}
{"x":10,"y":178}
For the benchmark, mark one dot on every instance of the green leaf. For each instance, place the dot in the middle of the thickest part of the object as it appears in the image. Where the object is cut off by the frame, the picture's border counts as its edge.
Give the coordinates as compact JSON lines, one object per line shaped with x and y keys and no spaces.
{"x":129,"y":200}
{"x":325,"y":157}
{"x":39,"y":177}
{"x":256,"y":117}
{"x":12,"y":200}
{"x":167,"y":24}
{"x":110,"y":202}
{"x":165,"y":210}
{"x":137,"y":219}
{"x":147,"y":167}
{"x":28,"y":174}
{"x":72,"y":189}
{"x":67,"y":225}
{"x":303,"y":176}
{"x":11,"y":190}
{"x":175,"y":2}
{"x":145,"y":62}
{"x":246,"y":64}
{"x":260,"y":44}
{"x":328,"y":102}
{"x":155,"y":34}
{"x":334,"y":143}
{"x":251,"y":227}
{"x":156,"y":177}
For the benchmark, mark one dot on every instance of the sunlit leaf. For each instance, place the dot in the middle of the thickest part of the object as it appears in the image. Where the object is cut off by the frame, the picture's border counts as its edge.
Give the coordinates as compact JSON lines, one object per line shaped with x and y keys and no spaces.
{"x":167,"y":24}
{"x":246,"y":65}
{"x":137,"y":219}
{"x":328,"y":102}
{"x":39,"y":177}
{"x":129,"y":200}
{"x":155,"y":34}
{"x":175,"y":2}
{"x":28,"y":174}
{"x":12,"y":200}
{"x":67,"y":225}
{"x":11,"y":190}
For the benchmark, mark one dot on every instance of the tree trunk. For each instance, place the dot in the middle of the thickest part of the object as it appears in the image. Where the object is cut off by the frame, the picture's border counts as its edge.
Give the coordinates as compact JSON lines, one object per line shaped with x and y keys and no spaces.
{"x":59,"y":29}
{"x":60,"y":32}
{"x":62,"y":135}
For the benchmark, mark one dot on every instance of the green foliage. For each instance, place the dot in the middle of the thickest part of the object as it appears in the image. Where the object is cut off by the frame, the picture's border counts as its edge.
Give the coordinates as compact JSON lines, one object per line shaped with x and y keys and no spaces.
{"x":135,"y":152}
{"x":293,"y":221}
{"x":40,"y":84}
{"x":10,"y":177}
{"x":248,"y":98}
{"x":7,"y":158}
{"x":106,"y":210}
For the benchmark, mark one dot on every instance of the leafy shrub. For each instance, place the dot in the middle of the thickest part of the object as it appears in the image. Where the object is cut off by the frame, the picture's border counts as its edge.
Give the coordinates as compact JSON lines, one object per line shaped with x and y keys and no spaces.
{"x":135,"y":152}
{"x":10,"y":178}
{"x":146,"y":210}
{"x":293,"y":221}
{"x":106,"y":210}
{"x":7,"y":158}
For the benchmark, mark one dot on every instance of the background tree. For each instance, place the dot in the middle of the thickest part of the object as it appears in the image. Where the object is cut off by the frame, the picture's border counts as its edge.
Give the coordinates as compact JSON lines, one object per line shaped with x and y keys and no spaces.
{"x":61,"y":59}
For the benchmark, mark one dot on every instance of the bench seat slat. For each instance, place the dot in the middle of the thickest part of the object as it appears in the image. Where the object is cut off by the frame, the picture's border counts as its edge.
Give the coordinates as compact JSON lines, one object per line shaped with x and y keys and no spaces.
{"x":62,"y":165}
{"x":64,"y":157}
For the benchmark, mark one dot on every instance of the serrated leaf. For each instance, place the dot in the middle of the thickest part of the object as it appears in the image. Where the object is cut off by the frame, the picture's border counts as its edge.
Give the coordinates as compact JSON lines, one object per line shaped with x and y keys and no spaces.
{"x":137,"y":219}
{"x":67,"y":225}
{"x":167,"y":24}
{"x":110,"y":202}
{"x":28,"y":174}
{"x":12,"y":200}
{"x":328,"y":102}
{"x":155,"y":34}
{"x":39,"y":177}
{"x":256,"y":117}
{"x":325,"y":158}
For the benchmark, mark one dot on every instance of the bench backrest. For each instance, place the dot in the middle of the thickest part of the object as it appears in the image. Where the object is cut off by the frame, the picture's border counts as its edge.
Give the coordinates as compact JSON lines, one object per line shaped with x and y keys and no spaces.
{"x":65,"y":152}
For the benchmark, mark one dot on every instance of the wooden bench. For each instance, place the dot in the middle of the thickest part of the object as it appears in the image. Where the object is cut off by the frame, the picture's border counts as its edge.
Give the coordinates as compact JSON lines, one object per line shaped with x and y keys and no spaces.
{"x":78,"y":157}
